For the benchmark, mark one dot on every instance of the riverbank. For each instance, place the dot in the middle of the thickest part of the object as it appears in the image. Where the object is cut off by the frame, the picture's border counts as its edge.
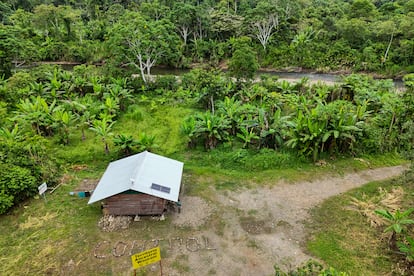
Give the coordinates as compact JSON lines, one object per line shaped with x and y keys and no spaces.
{"x":291,"y":74}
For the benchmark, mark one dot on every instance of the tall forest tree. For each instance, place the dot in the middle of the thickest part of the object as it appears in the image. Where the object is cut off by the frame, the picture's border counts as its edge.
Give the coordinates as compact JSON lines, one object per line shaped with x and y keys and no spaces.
{"x":144,"y":43}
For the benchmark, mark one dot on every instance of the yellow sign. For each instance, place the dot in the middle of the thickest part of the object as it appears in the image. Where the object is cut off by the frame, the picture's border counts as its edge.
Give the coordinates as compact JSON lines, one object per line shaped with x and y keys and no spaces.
{"x":146,"y":257}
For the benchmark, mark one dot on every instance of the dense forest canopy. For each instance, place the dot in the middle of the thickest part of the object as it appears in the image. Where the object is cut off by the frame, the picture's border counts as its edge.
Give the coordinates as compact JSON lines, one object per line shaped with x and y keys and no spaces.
{"x":326,"y":35}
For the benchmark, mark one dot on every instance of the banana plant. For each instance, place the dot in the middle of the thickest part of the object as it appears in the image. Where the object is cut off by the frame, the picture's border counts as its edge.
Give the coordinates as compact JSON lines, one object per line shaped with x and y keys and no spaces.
{"x":285,"y":87}
{"x":122,"y":95}
{"x":125,"y":143}
{"x":306,"y":133}
{"x":98,"y":87}
{"x":407,"y":248}
{"x":247,"y":136}
{"x":103,"y":129}
{"x":111,"y":106}
{"x":343,"y":125}
{"x":36,"y":112}
{"x":212,"y":128}
{"x":397,"y":222}
{"x":188,"y":129}
{"x":255,"y":93}
{"x":37,"y":89}
{"x":146,"y":142}
{"x":86,"y":121}
{"x":278,"y":130}
{"x":231,"y":108}
{"x":10,"y":136}
{"x":55,"y":85}
{"x":62,"y":121}
{"x":121,"y":82}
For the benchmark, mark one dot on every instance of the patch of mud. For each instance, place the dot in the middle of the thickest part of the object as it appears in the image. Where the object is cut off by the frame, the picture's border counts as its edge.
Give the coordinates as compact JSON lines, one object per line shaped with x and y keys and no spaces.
{"x":194,"y":212}
{"x":114,"y":223}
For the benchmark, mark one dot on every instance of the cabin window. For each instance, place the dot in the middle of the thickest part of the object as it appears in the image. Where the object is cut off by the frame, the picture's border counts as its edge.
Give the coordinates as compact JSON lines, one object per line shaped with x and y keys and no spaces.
{"x":160,"y":188}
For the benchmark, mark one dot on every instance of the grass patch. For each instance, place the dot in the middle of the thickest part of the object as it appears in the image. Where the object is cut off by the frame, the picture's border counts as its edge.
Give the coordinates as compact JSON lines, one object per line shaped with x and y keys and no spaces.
{"x":344,"y":239}
{"x":60,"y":236}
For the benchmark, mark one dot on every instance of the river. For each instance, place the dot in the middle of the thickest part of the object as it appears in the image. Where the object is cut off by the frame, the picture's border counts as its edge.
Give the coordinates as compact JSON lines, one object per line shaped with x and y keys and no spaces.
{"x":327,"y":78}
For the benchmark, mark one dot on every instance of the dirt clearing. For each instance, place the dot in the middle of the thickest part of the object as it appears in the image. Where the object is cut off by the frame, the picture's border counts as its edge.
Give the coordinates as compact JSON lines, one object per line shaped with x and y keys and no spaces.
{"x":243,"y":232}
{"x":261,"y":227}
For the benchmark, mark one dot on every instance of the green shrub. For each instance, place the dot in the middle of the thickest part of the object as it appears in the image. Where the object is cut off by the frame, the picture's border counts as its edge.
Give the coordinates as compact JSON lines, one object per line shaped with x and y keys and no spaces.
{"x":165,"y":83}
{"x":16,"y":184}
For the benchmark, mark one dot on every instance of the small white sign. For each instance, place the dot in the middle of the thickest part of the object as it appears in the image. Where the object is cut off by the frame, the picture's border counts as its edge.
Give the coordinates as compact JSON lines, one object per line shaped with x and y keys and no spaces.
{"x":42,"y":188}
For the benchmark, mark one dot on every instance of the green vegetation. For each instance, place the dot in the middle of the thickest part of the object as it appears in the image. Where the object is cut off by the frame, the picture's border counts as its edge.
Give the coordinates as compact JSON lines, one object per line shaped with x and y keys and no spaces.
{"x":231,"y":130}
{"x":197,"y":121}
{"x":243,"y":126}
{"x":349,"y":232}
{"x":323,"y":35}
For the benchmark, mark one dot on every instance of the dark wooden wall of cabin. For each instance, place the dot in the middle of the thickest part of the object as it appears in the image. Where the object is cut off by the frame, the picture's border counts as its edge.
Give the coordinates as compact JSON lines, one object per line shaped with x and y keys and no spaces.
{"x":134,"y":204}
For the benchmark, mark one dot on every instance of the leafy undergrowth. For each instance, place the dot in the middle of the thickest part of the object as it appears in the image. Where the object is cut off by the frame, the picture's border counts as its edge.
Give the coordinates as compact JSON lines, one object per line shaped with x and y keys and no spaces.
{"x":347,"y":239}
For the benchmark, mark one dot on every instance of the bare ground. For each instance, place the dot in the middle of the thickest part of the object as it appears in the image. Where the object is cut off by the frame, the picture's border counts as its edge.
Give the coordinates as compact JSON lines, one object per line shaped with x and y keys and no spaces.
{"x":246,"y":232}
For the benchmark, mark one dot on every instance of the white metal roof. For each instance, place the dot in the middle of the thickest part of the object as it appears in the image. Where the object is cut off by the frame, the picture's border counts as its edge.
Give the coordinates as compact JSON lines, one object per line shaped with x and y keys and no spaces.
{"x":139,"y":172}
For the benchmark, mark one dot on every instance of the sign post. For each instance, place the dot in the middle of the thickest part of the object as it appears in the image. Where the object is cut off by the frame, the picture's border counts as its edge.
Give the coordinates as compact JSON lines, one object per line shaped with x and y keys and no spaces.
{"x":42,"y":189}
{"x":146,"y":257}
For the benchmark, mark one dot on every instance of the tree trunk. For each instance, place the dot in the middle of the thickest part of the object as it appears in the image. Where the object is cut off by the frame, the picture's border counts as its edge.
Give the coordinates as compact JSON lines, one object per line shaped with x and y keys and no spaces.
{"x":212,"y":104}
{"x":106,"y":147}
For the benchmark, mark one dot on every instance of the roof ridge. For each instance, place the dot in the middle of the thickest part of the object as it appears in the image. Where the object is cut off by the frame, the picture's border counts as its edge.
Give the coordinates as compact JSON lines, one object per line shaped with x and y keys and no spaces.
{"x":138,"y":170}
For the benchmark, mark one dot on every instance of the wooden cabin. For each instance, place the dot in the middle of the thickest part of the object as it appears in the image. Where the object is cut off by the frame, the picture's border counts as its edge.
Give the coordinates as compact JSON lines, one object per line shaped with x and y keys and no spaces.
{"x":140,"y":184}
{"x":133,"y":203}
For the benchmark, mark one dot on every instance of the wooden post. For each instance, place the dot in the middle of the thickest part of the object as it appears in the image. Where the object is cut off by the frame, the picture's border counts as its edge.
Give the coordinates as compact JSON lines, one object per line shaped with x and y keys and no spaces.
{"x":161,"y":267}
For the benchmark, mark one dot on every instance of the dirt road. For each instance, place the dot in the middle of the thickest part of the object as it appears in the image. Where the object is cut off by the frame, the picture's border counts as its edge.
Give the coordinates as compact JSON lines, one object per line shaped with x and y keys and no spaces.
{"x":246,"y":232}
